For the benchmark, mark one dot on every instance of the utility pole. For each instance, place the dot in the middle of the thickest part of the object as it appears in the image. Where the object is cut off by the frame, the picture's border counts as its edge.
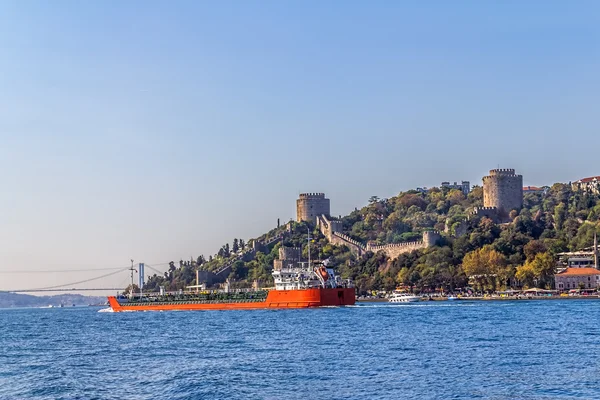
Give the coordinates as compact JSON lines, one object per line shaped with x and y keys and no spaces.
{"x":132,"y":270}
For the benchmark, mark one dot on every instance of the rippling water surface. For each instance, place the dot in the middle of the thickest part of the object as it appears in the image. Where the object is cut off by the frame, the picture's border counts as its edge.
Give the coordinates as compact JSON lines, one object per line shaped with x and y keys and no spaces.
{"x":457,"y":350}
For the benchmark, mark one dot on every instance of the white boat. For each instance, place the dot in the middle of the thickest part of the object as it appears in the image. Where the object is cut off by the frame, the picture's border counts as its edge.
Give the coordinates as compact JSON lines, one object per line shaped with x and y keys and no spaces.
{"x":399,"y":297}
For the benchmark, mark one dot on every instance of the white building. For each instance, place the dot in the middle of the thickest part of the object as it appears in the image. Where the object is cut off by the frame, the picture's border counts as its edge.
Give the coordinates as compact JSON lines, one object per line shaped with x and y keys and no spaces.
{"x":464,"y":186}
{"x":575,"y":278}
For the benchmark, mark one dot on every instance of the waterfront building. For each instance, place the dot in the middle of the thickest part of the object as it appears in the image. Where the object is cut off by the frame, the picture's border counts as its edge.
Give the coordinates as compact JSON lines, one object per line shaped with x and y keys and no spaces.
{"x":575,"y":278}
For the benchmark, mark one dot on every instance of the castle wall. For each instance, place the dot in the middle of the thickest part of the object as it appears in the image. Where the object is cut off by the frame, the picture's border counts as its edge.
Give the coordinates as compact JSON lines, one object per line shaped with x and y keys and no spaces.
{"x":503,"y":189}
{"x":339,"y":239}
{"x":311,"y":205}
{"x":287,"y":255}
{"x":330,"y":229}
{"x":393,"y":250}
{"x":206,"y":277}
{"x":489,"y":212}
{"x":290,"y":253}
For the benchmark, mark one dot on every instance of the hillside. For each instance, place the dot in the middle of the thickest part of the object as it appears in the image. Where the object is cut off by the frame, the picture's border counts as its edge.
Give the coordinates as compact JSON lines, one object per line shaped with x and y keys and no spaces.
{"x":518,"y":253}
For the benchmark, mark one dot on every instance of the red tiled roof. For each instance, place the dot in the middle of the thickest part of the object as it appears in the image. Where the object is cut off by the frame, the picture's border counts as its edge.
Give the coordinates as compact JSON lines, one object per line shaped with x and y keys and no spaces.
{"x":579,"y":271}
{"x":590,"y":179}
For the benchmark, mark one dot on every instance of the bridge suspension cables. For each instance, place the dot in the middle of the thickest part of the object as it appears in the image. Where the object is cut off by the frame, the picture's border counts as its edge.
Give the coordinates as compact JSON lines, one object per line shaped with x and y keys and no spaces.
{"x":70,"y":286}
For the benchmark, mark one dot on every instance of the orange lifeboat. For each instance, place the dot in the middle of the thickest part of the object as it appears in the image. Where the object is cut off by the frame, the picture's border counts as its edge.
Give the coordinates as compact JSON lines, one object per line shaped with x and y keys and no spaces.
{"x":324,"y":274}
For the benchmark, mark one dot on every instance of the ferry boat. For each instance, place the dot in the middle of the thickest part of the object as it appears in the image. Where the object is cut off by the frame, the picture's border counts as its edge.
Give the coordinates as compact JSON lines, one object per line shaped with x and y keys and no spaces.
{"x":295,"y":287}
{"x":402,"y":297}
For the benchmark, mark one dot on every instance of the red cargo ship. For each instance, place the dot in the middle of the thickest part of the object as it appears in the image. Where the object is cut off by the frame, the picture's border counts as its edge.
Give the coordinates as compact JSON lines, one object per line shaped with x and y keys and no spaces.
{"x":301,"y":287}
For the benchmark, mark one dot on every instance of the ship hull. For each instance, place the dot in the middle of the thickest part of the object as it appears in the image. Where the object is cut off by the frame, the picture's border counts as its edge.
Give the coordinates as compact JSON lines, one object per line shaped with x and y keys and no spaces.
{"x":276,"y":299}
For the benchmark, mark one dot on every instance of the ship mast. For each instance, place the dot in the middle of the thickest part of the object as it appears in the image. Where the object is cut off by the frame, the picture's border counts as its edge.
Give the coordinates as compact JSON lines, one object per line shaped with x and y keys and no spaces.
{"x":308,"y":230}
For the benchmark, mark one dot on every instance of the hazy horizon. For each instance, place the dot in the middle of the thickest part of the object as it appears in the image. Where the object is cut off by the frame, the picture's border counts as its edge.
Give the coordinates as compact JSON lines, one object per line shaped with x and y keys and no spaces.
{"x":158,"y":132}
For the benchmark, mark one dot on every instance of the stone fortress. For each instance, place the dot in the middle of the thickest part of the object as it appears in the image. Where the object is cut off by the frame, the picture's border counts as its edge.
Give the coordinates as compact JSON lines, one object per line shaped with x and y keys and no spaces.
{"x":315,"y":208}
{"x":502,"y":193}
{"x":310,"y":205}
{"x":287,"y":256}
{"x":332,"y":231}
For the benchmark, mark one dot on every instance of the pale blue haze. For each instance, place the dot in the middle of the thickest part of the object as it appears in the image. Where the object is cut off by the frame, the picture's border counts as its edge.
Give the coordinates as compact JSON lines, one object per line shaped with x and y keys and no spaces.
{"x":160,"y":130}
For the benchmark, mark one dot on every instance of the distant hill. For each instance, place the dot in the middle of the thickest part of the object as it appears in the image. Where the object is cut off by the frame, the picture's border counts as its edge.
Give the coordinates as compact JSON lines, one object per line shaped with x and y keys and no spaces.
{"x":10,"y":300}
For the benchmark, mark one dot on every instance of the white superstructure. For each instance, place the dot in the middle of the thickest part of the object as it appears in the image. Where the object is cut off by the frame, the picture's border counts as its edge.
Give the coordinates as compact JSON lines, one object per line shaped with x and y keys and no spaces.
{"x":401,"y":297}
{"x":305,"y":277}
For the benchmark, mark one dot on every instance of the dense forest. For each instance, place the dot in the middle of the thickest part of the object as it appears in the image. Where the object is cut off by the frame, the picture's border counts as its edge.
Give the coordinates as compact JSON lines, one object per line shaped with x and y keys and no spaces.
{"x":474,"y":251}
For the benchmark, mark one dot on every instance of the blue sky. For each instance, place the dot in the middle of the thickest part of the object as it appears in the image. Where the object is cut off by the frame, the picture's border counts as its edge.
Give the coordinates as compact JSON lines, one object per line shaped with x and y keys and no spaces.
{"x":160,"y":130}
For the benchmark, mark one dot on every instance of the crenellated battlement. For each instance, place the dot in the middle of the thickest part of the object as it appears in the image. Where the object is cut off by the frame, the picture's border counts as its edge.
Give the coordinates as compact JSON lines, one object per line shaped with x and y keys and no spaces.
{"x":310,"y":205}
{"x":392,"y":250}
{"x":502,"y":171}
{"x":348,"y":239}
{"x":502,"y":192}
{"x":376,"y":248}
{"x":312,"y":195}
{"x":489,"y":212}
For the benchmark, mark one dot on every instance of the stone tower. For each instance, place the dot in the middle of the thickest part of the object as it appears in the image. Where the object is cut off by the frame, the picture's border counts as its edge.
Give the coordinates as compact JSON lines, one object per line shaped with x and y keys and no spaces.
{"x":430,"y":238}
{"x":310,"y":205}
{"x":503,"y":190}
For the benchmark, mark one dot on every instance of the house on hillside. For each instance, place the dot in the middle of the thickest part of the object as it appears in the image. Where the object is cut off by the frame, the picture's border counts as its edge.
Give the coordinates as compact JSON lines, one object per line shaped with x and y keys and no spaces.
{"x":589,"y":185}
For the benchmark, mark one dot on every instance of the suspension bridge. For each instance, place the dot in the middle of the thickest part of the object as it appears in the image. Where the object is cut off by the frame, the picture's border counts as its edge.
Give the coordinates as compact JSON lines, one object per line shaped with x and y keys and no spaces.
{"x":75,"y":286}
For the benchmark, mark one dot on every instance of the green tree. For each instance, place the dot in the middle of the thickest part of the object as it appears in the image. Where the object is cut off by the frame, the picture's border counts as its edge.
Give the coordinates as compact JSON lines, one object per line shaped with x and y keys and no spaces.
{"x":526,"y":275}
{"x":560,"y":215}
{"x":373,"y":199}
{"x":533,"y":248}
{"x":543,"y":266}
{"x":484,"y":265}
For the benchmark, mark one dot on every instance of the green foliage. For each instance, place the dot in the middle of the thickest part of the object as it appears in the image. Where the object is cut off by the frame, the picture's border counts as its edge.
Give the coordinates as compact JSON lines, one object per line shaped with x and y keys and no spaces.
{"x":557,"y":221}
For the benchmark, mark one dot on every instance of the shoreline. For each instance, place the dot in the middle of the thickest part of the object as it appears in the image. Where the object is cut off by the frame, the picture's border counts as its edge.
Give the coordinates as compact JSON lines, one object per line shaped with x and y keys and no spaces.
{"x":524,"y":298}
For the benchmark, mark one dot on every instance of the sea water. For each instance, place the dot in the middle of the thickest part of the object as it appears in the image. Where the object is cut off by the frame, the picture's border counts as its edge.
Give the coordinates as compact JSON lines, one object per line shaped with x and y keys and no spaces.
{"x":434,"y":350}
